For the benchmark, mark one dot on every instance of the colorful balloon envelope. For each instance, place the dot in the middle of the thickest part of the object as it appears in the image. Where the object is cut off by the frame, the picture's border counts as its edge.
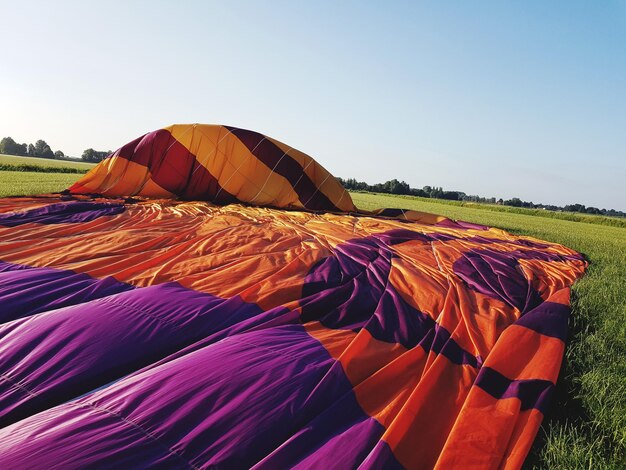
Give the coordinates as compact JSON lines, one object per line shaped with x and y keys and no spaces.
{"x":209,"y":297}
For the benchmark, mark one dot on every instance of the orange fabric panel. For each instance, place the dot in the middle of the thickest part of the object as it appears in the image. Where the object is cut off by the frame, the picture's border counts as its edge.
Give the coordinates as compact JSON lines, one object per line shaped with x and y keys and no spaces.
{"x":365,"y":355}
{"x":429,"y":414}
{"x":117,"y":176}
{"x":561,"y":275}
{"x":489,"y":434}
{"x":522,"y":439}
{"x":25,"y":203}
{"x":335,"y":341}
{"x":543,"y":364}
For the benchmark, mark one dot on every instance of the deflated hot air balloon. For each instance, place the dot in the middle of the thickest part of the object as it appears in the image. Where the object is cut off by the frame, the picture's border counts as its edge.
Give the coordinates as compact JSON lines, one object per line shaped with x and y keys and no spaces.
{"x":219,"y":164}
{"x":209,"y":297}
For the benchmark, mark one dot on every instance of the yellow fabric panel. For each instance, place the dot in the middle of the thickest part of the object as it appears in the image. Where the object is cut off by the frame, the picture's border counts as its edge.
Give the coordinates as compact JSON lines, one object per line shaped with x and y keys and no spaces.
{"x":321,"y":177}
{"x":115,"y":176}
{"x":237,"y":170}
{"x":152,"y":190}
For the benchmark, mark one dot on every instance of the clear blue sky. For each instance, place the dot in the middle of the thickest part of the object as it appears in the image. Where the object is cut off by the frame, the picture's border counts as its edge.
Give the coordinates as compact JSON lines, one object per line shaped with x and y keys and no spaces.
{"x":490,"y":98}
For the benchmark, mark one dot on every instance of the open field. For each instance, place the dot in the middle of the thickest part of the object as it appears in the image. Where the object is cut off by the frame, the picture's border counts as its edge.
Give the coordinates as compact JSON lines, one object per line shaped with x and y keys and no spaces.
{"x":25,"y":183}
{"x":586,"y":427}
{"x":50,"y":175}
{"x":587,"y":424}
{"x":572,"y":216}
{"x":13,"y":160}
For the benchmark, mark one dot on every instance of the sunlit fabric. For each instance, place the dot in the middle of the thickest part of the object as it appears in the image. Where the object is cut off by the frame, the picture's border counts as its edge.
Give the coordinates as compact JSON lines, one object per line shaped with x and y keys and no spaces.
{"x":219,"y":164}
{"x":178,"y":332}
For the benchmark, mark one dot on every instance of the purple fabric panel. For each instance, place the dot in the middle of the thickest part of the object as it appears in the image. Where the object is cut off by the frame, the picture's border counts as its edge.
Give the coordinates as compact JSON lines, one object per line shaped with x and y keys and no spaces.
{"x":391,"y":212}
{"x":397,"y":236}
{"x":4,"y":267}
{"x":351,"y":290}
{"x":74,"y":437}
{"x":530,"y":244}
{"x":269,"y":319}
{"x":496,"y":274}
{"x":74,"y":212}
{"x":343,"y":290}
{"x":228,"y":405}
{"x":531,"y":393}
{"x":313,"y":448}
{"x":549,"y":318}
{"x":381,"y":458}
{"x":226,"y":422}
{"x":398,"y":322}
{"x":333,"y":433}
{"x":61,"y":354}
{"x":459,"y":224}
{"x":439,"y":341}
{"x":26,"y":291}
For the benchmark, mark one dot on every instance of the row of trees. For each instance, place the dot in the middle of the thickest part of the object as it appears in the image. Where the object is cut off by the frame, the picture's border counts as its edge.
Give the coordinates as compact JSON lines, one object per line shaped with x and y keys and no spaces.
{"x":41,"y":149}
{"x":94,"y":156}
{"x":401,"y":187}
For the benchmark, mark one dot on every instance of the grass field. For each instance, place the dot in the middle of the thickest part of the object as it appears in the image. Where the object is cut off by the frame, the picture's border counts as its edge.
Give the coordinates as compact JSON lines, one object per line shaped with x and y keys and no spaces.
{"x":16,"y":180}
{"x":586,"y":428}
{"x":572,"y":216}
{"x":25,"y":183}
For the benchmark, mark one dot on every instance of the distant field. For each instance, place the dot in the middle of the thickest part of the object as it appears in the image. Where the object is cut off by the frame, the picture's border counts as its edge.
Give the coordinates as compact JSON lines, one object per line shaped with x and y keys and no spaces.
{"x":370,"y":202}
{"x":45,"y":162}
{"x":27,"y":183}
{"x":587,"y":425}
{"x":17,"y":180}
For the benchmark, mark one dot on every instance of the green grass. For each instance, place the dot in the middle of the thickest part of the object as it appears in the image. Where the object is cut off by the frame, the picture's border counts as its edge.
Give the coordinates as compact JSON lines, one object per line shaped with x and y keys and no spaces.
{"x":44,"y":162}
{"x":586,"y":426}
{"x":40,"y":169}
{"x":26,"y":183}
{"x":18,"y":179}
{"x":573,"y":216}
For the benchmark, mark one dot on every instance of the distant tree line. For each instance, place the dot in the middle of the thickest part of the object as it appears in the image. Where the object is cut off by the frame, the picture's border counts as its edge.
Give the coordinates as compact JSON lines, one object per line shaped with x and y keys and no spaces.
{"x":400,"y":187}
{"x":94,"y":156}
{"x":41,"y":149}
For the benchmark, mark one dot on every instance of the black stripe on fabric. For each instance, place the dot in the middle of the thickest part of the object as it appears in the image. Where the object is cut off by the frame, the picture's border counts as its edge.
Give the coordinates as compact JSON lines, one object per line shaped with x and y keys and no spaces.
{"x":275,"y":159}
{"x":533,"y":393}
